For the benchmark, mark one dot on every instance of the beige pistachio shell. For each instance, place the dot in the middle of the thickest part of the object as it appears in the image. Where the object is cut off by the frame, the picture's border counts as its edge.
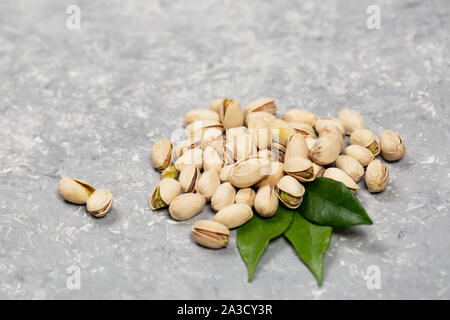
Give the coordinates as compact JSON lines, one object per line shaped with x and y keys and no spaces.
{"x":350,"y":166}
{"x":323,"y":123}
{"x":330,"y":130}
{"x":231,"y":114}
{"x":326,"y":150}
{"x":210,"y":234}
{"x":234,"y":215}
{"x":300,"y":168}
{"x":260,"y":132}
{"x":310,"y":142}
{"x":300,"y":115}
{"x":231,"y":133}
{"x":351,"y":119}
{"x":377,"y":176}
{"x":170,"y":172}
{"x":259,"y":115}
{"x":163,"y":194}
{"x":210,"y":135}
{"x":363,"y":155}
{"x":266,"y":201}
{"x":212,"y":160}
{"x":223,"y":196}
{"x":341,"y":176}
{"x":208,"y":183}
{"x":318,"y":170}
{"x":188,"y":178}
{"x":303,"y":128}
{"x":290,"y":192}
{"x":248,"y":172}
{"x":186,"y":206}
{"x":366,"y":139}
{"x":215,"y":105}
{"x":243,"y":146}
{"x":161,"y":154}
{"x":297,"y":147}
{"x":224,"y":174}
{"x":278,"y":152}
{"x":196,"y":129}
{"x":276,"y":173}
{"x":99,"y":203}
{"x":75,"y":190}
{"x":263,"y":104}
{"x":392,"y":146}
{"x":200,"y":114}
{"x":192,"y":156}
{"x":246,"y":196}
{"x":185,"y":145}
{"x":281,"y":131}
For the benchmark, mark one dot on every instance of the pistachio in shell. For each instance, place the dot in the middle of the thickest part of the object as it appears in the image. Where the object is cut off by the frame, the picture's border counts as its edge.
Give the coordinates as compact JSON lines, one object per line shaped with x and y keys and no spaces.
{"x":246,"y":196}
{"x":212,"y":160}
{"x":323,"y":123}
{"x":188,"y":178}
{"x":191,"y":156}
{"x":224,"y":174}
{"x":301,"y":116}
{"x":243,"y":146}
{"x":231,"y":114}
{"x":208,"y":183}
{"x":366,"y":139}
{"x":258,"y":115}
{"x":200,"y":114}
{"x":290,"y":192}
{"x":186,"y":206}
{"x":223,"y":196}
{"x":75,"y":190}
{"x":303,"y":128}
{"x":210,"y":234}
{"x":186,"y":145}
{"x":196,"y":129}
{"x":163,"y":194}
{"x":99,"y":203}
{"x":215,"y":105}
{"x":363,"y":155}
{"x":297,"y":146}
{"x":260,"y":132}
{"x":281,"y":131}
{"x":248,"y":172}
{"x":350,"y":166}
{"x":161,"y":154}
{"x":275,"y":174}
{"x":339,"y":175}
{"x":325,"y":150}
{"x":170,"y":172}
{"x":234,"y":215}
{"x":266,"y":201}
{"x":351,"y":119}
{"x":300,"y":168}
{"x":377,"y":176}
{"x":278,"y":152}
{"x":392,"y":146}
{"x":262,"y":104}
{"x":318,"y":170}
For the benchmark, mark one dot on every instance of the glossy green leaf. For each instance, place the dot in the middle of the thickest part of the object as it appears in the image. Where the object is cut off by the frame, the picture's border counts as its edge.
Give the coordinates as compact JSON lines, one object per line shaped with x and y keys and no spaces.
{"x":254,"y":236}
{"x":330,"y":203}
{"x":310,"y":241}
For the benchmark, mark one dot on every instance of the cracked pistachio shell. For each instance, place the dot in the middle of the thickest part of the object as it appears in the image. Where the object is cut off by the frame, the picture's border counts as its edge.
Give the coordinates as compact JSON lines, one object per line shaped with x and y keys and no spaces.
{"x":186,"y":206}
{"x":248,"y":172}
{"x":377,"y":176}
{"x":189,"y":177}
{"x":196,"y":129}
{"x":99,"y":203}
{"x":297,"y":146}
{"x":163,"y":194}
{"x":290,"y":192}
{"x":170,"y":172}
{"x":281,"y":131}
{"x":263,"y":104}
{"x":323,"y":123}
{"x":161,"y":154}
{"x":326,"y":150}
{"x":363,"y":155}
{"x":303,"y":128}
{"x":350,"y":166}
{"x":259,"y":115}
{"x":275,"y":174}
{"x":200,"y":114}
{"x":223,"y":196}
{"x":318,"y":170}
{"x":210,"y":234}
{"x":300,"y":115}
{"x":300,"y":168}
{"x":341,"y":176}
{"x":246,"y":196}
{"x":234,"y":215}
{"x":351,"y":119}
{"x":260,"y":132}
{"x":185,"y":145}
{"x":366,"y":139}
{"x":392,"y":146}
{"x":215,"y":105}
{"x":224,"y":174}
{"x":212,"y":160}
{"x":231,"y":114}
{"x":75,"y":190}
{"x":266,"y":201}
{"x":243,"y":146}
{"x":208,"y":183}
{"x":278,"y":152}
{"x":191,"y":156}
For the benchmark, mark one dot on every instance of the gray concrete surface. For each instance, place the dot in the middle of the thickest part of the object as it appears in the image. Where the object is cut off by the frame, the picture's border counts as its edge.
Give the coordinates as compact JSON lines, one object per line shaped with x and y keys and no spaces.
{"x":89,"y":103}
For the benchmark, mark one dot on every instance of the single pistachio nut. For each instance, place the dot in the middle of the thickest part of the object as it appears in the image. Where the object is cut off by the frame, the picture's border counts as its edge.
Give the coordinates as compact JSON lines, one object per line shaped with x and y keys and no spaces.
{"x":297,"y":146}
{"x":266,"y":201}
{"x":351,"y":119}
{"x":185,"y":145}
{"x":339,"y":175}
{"x":246,"y":196}
{"x":300,"y":115}
{"x":186,"y":206}
{"x":192,"y":156}
{"x":163,"y":194}
{"x":326,"y":150}
{"x":231,"y":114}
{"x":212,"y":160}
{"x":377,"y":176}
{"x":247,"y":172}
{"x":281,"y":131}
{"x":100,"y":203}
{"x":196,"y":129}
{"x":235,"y":215}
{"x":363,"y":155}
{"x":215,"y":105}
{"x":350,"y":166}
{"x":258,"y":115}
{"x":263,"y":104}
{"x":331,"y":130}
{"x":223,"y":196}
{"x":318,"y":170}
{"x":243,"y":146}
{"x":330,"y":122}
{"x":366,"y":139}
{"x":290,"y":192}
{"x":200,"y":114}
{"x":224,"y":174}
{"x":278,"y":152}
{"x":210,"y":234}
{"x":392,"y":146}
{"x":260,"y":132}
{"x":170,"y":172}
{"x":303,"y":128}
{"x":208,"y":183}
{"x":189,"y":177}
{"x":275,"y":174}
{"x":300,"y":168}
{"x":161,"y":154}
{"x":75,"y":190}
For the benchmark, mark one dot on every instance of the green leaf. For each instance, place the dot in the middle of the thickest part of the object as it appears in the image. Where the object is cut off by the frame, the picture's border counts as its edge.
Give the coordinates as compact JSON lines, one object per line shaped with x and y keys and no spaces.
{"x":254,"y":236}
{"x":310,"y":241}
{"x":330,"y":203}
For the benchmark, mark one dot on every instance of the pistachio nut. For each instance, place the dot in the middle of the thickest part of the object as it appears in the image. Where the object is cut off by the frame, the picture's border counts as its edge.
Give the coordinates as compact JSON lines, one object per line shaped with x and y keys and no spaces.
{"x":196,"y":129}
{"x":208,"y":183}
{"x":318,"y":170}
{"x":392,"y":146}
{"x":326,"y":150}
{"x":200,"y":114}
{"x":281,"y":131}
{"x":296,"y":146}
{"x":266,"y":201}
{"x":244,"y":146}
{"x":163,"y":194}
{"x":247,"y":172}
{"x":366,"y":139}
{"x":224,"y":174}
{"x":300,"y":168}
{"x":235,"y":215}
{"x":310,"y":142}
{"x":170,"y":172}
{"x":331,"y":130}
{"x":99,"y":203}
{"x":303,"y":128}
{"x":191,"y":156}
{"x":363,"y":155}
{"x":185,"y":145}
{"x":189,"y":177}
{"x":231,"y":114}
{"x":263,"y":104}
{"x":258,"y":115}
{"x":260,"y":132}
{"x":275,"y":174}
{"x":377,"y":176}
{"x":223,"y":196}
{"x":278,"y":152}
{"x":290,"y":192}
{"x":212,"y":160}
{"x":215,"y":105}
{"x":161,"y":154}
{"x":231,"y":133}
{"x":339,"y":175}
{"x":351,"y":119}
{"x":330,"y":122}
{"x":350,"y":166}
{"x":245,"y":196}
{"x":210,"y":135}
{"x":75,"y":190}
{"x":210,"y":234}
{"x":186,"y":206}
{"x":300,"y":115}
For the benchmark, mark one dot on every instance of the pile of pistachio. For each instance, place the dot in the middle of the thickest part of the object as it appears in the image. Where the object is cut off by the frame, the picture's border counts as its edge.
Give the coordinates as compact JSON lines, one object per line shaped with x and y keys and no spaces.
{"x":238,"y":160}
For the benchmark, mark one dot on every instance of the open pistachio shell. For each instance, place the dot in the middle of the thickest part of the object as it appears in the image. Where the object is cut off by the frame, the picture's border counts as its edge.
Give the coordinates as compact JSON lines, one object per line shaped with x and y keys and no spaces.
{"x":392,"y":146}
{"x":341,"y":176}
{"x":323,"y":123}
{"x":366,"y":139}
{"x":263,"y":104}
{"x":276,"y":173}
{"x":300,"y":115}
{"x":207,"y":184}
{"x":163,"y":194}
{"x":196,"y":129}
{"x":75,"y":190}
{"x":363,"y":155}
{"x":303,"y":128}
{"x":170,"y":172}
{"x":99,"y":203}
{"x":192,"y":156}
{"x":290,"y":192}
{"x":278,"y":152}
{"x":377,"y":176}
{"x":325,"y":150}
{"x":231,"y":114}
{"x":161,"y":154}
{"x":300,"y":168}
{"x":186,"y":206}
{"x":266,"y":201}
{"x":223,"y":196}
{"x":318,"y":170}
{"x":247,"y":172}
{"x":188,"y":178}
{"x":210,"y":234}
{"x":200,"y":114}
{"x":351,"y":119}
{"x":234,"y":215}
{"x":281,"y":131}
{"x":350,"y":166}
{"x":297,"y":146}
{"x":258,"y":115}
{"x":246,"y":196}
{"x":215,"y":105}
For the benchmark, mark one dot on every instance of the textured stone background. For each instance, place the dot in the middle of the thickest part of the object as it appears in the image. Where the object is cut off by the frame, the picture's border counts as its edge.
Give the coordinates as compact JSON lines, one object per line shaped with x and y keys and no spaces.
{"x":90,"y":103}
